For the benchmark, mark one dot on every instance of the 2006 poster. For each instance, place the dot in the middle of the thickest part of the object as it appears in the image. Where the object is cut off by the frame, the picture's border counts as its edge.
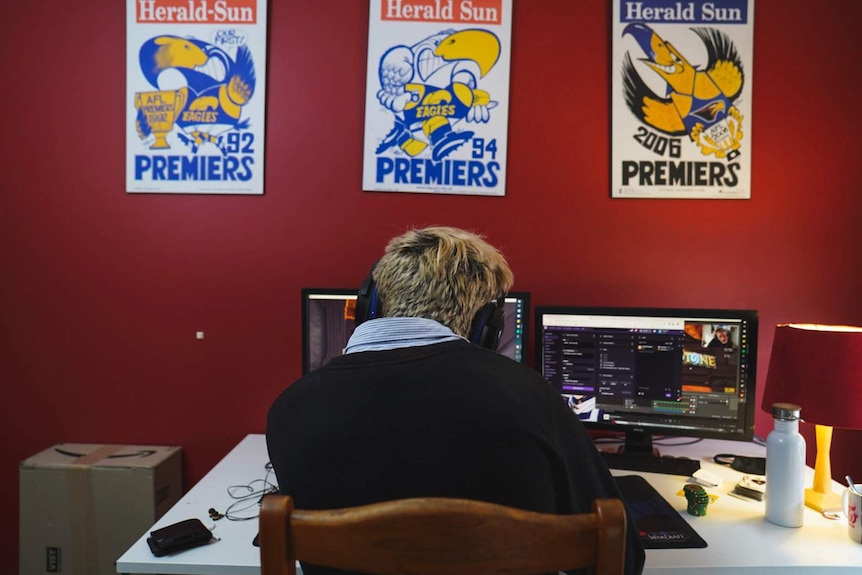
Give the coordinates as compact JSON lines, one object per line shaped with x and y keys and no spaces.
{"x":195,"y":87}
{"x":437,"y":91}
{"x":681,"y":99}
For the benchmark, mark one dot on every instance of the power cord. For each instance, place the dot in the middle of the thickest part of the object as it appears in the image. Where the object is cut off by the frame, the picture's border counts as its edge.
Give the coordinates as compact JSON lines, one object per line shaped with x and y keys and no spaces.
{"x":247,"y":497}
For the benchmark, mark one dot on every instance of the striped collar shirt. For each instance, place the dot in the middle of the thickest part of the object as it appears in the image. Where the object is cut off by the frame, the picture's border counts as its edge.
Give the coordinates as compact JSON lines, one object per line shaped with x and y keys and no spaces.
{"x":395,"y":332}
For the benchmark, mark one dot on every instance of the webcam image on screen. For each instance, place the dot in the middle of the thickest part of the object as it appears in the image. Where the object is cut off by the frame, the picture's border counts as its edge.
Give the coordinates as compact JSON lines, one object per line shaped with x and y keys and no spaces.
{"x":710,"y":357}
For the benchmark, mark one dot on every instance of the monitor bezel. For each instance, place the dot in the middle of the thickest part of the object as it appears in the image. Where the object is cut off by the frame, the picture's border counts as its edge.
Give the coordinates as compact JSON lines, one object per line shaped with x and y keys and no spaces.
{"x":745,"y":431}
{"x":525,"y":337}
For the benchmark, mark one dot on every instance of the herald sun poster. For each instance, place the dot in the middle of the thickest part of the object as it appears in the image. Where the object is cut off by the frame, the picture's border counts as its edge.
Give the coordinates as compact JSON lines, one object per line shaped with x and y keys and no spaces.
{"x":681,"y":99}
{"x":437,"y":96}
{"x":195,"y":86}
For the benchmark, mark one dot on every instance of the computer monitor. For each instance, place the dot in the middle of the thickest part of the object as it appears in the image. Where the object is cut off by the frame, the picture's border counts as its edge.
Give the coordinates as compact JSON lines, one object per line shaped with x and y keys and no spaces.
{"x":328,"y":320}
{"x":649,"y":371}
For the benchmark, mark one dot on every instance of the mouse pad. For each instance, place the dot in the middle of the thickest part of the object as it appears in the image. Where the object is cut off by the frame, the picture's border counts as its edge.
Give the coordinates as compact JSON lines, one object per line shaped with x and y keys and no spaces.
{"x":660,"y":525}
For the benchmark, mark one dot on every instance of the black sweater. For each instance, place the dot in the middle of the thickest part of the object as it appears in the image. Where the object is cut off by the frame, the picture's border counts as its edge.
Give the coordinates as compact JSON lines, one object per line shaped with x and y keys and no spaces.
{"x":443,"y":420}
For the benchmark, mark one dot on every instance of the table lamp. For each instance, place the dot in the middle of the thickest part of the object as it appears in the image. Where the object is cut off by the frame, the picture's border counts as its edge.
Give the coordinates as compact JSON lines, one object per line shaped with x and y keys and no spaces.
{"x":819,"y":368}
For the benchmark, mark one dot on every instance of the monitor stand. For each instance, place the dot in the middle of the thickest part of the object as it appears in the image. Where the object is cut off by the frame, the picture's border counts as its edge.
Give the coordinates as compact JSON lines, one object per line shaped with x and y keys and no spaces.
{"x":638,"y":442}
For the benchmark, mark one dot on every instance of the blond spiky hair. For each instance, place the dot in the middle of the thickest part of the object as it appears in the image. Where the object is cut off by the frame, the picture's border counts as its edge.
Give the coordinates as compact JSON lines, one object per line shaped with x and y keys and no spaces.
{"x":440,"y":273}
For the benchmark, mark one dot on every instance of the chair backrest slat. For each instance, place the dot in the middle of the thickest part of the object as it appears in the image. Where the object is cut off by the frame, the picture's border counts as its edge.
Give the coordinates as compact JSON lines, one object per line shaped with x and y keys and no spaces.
{"x":429,"y":536}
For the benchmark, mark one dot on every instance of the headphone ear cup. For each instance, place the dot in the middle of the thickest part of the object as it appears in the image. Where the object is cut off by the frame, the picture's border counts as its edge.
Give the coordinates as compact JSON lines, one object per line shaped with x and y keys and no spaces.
{"x":367,"y":301}
{"x":487,"y":327}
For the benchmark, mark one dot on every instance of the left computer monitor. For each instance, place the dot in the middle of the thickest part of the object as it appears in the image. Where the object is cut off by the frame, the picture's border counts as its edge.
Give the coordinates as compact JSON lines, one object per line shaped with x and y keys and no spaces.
{"x":329,"y":318}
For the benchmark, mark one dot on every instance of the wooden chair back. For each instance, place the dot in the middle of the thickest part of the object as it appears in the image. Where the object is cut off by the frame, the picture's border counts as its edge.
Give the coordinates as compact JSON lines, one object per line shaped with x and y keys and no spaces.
{"x":439,"y":536}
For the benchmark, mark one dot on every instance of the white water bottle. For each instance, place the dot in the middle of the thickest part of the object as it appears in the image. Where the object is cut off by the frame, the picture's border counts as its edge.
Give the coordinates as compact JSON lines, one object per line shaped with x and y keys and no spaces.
{"x":785,"y":467}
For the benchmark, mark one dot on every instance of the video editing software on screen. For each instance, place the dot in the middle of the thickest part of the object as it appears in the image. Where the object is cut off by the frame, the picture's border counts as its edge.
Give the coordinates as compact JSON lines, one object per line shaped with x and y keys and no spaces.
{"x":684,"y":373}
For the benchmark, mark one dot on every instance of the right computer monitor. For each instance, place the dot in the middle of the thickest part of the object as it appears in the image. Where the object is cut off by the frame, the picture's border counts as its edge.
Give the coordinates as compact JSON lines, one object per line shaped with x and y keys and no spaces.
{"x":652,"y":371}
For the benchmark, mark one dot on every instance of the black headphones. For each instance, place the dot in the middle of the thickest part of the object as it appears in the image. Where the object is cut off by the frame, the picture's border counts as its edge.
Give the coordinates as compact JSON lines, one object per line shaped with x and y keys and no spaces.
{"x":485,"y":330}
{"x":488,"y":323}
{"x":368,"y":304}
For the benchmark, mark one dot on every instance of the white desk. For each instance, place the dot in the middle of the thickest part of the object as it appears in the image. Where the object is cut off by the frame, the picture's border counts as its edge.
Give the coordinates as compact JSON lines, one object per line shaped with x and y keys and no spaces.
{"x":233,"y":553}
{"x":741,"y":541}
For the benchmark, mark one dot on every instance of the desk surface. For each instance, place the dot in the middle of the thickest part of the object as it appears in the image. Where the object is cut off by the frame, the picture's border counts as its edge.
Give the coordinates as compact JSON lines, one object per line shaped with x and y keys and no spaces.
{"x":740,"y":541}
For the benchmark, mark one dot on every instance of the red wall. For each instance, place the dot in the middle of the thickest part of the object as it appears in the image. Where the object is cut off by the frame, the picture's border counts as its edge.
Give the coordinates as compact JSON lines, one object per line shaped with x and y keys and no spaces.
{"x":103,"y":291}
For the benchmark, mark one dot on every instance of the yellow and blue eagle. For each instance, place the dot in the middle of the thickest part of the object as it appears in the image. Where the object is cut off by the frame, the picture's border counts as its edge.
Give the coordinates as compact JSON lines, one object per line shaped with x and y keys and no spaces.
{"x":434,"y":84}
{"x":697,"y":102}
{"x":218,"y":85}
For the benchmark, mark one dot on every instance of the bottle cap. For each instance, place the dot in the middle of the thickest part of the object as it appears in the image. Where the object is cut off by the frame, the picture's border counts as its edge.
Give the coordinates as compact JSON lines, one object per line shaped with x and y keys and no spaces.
{"x":786,"y":411}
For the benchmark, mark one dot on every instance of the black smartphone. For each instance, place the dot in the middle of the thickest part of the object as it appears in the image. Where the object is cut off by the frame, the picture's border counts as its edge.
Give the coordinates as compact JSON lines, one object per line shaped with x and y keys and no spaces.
{"x":178,"y":536}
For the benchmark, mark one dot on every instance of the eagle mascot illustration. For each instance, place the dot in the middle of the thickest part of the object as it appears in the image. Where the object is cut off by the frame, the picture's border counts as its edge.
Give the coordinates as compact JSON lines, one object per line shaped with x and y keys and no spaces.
{"x":434,"y":84}
{"x":217,"y":86}
{"x":697,"y":102}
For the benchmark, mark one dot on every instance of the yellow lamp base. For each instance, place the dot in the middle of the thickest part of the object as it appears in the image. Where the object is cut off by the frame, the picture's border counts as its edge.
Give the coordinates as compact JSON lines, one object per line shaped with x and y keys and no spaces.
{"x":820,"y":496}
{"x":822,"y":501}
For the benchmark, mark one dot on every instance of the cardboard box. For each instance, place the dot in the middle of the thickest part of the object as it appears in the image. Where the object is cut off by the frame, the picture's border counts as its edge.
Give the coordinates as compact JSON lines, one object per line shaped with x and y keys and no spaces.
{"x":83,"y":505}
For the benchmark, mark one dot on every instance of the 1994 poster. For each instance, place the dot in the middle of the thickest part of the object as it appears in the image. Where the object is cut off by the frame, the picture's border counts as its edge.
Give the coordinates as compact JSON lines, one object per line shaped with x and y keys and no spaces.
{"x":437,"y":96}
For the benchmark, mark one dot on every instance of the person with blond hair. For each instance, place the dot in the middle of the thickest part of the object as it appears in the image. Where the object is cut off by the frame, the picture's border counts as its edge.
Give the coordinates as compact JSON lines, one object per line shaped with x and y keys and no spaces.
{"x":442,"y":274}
{"x":420,"y":405}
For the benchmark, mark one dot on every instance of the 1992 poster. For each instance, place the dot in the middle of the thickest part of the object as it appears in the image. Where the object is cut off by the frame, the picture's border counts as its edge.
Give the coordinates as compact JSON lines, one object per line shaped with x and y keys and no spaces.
{"x":195,"y":91}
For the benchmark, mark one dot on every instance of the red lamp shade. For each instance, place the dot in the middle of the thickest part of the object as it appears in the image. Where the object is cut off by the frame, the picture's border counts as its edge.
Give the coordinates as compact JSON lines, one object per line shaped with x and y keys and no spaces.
{"x":819,"y":368}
